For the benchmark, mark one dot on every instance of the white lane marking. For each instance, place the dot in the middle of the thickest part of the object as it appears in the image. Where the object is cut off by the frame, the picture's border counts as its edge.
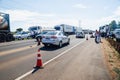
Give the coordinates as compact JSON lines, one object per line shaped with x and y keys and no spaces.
{"x":28,"y":73}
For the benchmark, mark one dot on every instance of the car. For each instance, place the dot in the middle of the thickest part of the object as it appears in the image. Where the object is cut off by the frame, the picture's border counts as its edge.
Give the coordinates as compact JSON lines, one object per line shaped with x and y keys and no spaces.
{"x":21,"y":35}
{"x":57,"y":38}
{"x":117,"y":34}
{"x":92,"y":35}
{"x":80,"y":35}
{"x":39,"y":36}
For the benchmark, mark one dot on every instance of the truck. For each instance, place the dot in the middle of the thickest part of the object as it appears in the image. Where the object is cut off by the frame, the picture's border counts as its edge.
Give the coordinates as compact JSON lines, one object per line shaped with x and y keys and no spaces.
{"x":34,"y":30}
{"x":67,"y":29}
{"x":78,"y":29}
{"x":5,"y":33}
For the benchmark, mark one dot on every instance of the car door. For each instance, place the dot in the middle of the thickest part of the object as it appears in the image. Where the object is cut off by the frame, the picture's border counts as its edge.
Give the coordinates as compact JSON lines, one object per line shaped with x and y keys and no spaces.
{"x":61,"y":37}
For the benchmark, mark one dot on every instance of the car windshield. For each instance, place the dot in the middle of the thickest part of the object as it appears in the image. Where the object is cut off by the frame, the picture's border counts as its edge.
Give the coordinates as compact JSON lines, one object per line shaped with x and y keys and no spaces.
{"x":44,"y":32}
{"x":51,"y":33}
{"x":33,"y":28}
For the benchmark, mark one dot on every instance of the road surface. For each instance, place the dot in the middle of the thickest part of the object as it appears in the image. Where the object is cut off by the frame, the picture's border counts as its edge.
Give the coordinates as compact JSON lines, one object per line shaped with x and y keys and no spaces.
{"x":83,"y":62}
{"x":17,"y":58}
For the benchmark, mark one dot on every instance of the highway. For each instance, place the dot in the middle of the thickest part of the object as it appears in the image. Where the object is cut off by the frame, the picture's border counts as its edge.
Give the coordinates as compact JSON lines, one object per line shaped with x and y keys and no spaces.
{"x":17,"y":58}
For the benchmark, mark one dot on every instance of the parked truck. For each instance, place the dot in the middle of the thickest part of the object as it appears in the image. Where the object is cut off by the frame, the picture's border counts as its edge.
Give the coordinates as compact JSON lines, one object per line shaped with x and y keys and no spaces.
{"x":5,"y":34}
{"x":67,"y":29}
{"x":34,"y":30}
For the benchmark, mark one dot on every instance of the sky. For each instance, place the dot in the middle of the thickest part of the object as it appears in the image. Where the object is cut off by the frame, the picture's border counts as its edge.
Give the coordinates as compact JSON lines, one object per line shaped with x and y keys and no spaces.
{"x":88,"y":14}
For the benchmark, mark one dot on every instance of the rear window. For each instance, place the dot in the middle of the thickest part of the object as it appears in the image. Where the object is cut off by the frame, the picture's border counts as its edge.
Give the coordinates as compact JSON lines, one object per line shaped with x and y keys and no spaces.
{"x":51,"y":33}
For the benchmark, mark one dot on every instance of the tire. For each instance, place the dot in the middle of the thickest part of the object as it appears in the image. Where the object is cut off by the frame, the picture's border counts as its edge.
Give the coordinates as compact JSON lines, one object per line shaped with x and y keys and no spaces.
{"x":28,"y":37}
{"x":19,"y":38}
{"x":9,"y":37}
{"x":60,"y":44}
{"x":68,"y":41}
{"x":46,"y":45}
{"x":2,"y":37}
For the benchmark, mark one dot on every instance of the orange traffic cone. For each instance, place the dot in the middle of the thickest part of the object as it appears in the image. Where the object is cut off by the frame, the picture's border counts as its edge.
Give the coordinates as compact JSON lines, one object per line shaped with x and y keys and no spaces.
{"x":39,"y":60}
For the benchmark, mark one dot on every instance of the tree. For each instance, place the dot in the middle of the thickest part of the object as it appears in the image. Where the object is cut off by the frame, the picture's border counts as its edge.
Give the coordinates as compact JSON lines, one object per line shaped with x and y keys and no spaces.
{"x":113,"y":25}
{"x":19,"y":30}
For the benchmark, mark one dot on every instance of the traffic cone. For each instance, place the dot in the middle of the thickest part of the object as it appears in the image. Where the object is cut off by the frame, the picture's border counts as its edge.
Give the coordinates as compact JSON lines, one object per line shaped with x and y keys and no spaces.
{"x":39,"y":60}
{"x":87,"y":38}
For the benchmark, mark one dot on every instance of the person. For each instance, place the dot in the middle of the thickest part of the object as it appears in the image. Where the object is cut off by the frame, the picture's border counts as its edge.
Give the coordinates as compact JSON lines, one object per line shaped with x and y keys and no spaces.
{"x":39,"y":41}
{"x":97,"y":37}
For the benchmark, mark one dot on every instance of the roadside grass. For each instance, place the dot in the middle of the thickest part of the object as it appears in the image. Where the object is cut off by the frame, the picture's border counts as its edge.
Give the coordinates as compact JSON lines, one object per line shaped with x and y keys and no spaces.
{"x":112,"y":58}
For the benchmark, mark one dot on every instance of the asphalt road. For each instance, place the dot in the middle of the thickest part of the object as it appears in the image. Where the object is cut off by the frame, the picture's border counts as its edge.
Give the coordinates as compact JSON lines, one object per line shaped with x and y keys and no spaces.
{"x":17,"y":58}
{"x":83,"y":62}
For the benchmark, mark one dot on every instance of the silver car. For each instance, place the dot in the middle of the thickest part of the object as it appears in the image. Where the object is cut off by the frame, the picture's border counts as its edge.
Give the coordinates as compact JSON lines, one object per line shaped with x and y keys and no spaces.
{"x":22,"y":35}
{"x":80,"y":35}
{"x":55,"y":38}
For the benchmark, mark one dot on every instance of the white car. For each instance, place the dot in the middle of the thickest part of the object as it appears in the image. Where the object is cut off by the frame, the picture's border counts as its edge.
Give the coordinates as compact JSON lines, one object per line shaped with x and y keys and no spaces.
{"x":22,"y":35}
{"x":80,"y":35}
{"x":55,"y":38}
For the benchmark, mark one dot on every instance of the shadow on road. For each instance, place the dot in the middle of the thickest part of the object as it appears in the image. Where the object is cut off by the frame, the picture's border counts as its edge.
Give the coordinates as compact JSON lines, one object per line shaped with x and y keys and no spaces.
{"x":51,"y":48}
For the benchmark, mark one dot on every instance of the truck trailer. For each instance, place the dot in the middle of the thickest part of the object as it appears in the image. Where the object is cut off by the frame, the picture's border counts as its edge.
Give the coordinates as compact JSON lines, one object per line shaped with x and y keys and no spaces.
{"x":5,"y":34}
{"x":67,"y":29}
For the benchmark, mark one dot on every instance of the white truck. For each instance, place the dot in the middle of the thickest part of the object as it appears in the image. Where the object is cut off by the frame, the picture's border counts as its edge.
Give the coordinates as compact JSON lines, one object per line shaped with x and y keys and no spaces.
{"x":34,"y":30}
{"x":67,"y":29}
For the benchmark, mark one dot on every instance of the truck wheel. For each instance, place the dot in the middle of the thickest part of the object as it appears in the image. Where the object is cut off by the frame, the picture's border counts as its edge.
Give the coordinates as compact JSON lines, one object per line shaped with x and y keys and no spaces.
{"x":2,"y":37}
{"x":9,"y":37}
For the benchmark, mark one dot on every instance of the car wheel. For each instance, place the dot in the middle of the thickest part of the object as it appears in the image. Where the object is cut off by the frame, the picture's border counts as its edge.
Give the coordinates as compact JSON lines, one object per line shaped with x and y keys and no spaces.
{"x":28,"y":37}
{"x":19,"y":38}
{"x":46,"y":45}
{"x":68,"y":41}
{"x":60,"y":44}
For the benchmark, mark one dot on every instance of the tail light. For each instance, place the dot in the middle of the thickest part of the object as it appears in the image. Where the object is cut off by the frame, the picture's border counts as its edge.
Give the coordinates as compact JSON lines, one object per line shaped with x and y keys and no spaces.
{"x":54,"y":37}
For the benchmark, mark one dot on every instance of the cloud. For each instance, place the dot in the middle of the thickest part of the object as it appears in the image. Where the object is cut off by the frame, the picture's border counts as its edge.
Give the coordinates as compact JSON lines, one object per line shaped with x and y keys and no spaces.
{"x":105,"y":7}
{"x":25,"y":15}
{"x":117,"y":11}
{"x":81,"y":6}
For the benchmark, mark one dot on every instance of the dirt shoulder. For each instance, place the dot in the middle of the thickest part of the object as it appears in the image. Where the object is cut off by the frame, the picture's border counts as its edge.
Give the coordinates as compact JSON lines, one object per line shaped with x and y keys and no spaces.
{"x":112,"y":58}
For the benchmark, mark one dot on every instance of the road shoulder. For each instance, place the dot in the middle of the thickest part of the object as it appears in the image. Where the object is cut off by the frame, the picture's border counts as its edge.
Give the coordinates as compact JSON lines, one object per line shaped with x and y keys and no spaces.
{"x":84,"y":62}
